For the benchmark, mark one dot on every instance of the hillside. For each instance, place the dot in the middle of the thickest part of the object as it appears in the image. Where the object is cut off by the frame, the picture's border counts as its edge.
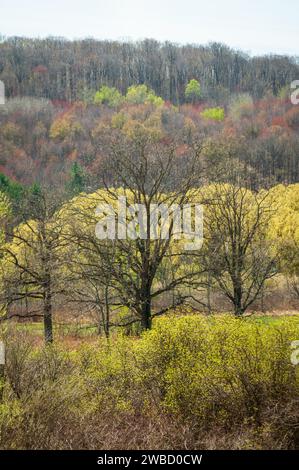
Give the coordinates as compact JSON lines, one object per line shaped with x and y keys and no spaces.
{"x":59,"y":69}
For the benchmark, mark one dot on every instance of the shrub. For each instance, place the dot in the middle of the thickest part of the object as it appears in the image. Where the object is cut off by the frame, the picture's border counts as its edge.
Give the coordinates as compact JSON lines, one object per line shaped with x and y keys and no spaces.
{"x":214,"y":114}
{"x":220,"y":368}
{"x":141,"y":94}
{"x":193,"y":382}
{"x":109,"y":96}
{"x":193,"y":91}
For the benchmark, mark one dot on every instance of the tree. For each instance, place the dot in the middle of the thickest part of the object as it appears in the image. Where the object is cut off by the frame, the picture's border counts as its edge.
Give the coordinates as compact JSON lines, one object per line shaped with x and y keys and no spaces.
{"x":239,"y":257}
{"x":193,"y":91}
{"x":85,"y":263}
{"x":149,"y":172}
{"x":32,"y":260}
{"x":15,"y":191}
{"x":59,"y":69}
{"x":283,"y":232}
{"x":78,"y":179}
{"x":109,"y":96}
{"x":214,"y":114}
{"x":241,"y":105}
{"x":5,"y":212}
{"x":141,"y":94}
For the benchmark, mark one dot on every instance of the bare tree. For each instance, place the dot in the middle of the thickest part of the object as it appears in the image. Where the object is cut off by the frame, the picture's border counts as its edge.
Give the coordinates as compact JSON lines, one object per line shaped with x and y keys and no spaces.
{"x":150,"y":172}
{"x":92,"y":286}
{"x":239,"y":257}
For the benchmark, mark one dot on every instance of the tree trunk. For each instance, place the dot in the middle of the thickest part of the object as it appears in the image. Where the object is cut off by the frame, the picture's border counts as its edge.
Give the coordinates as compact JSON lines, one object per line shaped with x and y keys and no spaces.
{"x":209,"y":281}
{"x":146,"y":318}
{"x":107,"y":309}
{"x":237,"y":286}
{"x":48,"y":325}
{"x":238,"y":298}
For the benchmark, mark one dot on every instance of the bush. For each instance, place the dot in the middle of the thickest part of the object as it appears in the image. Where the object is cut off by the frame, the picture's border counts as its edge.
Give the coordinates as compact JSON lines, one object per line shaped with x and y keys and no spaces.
{"x":141,"y":94}
{"x":219,"y":369}
{"x":214,"y":114}
{"x":193,"y":381}
{"x":193,"y":91}
{"x":109,"y":96}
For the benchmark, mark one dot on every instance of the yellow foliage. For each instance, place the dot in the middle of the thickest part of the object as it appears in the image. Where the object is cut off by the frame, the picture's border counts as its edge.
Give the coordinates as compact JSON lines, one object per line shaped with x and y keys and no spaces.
{"x":64,"y":127}
{"x":284,"y":227}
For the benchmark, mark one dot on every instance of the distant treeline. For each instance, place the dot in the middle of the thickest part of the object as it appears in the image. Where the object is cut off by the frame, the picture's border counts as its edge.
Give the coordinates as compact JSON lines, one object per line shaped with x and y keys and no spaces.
{"x":59,"y":69}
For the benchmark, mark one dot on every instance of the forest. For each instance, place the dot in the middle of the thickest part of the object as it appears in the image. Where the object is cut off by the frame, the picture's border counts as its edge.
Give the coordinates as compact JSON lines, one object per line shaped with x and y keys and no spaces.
{"x":58,"y":69}
{"x":137,"y":342}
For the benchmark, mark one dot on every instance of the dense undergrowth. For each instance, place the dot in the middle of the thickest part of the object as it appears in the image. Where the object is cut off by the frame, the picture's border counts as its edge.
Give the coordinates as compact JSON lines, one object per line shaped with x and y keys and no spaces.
{"x":191,"y":382}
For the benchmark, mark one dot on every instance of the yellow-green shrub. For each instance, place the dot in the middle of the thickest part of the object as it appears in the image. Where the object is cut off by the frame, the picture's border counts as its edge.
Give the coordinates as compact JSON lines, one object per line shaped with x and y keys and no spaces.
{"x":215,"y":374}
{"x":217,"y":367}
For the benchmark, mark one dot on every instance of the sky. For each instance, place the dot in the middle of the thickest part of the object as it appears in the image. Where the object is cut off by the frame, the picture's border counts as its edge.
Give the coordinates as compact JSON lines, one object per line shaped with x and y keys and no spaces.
{"x":254,"y":26}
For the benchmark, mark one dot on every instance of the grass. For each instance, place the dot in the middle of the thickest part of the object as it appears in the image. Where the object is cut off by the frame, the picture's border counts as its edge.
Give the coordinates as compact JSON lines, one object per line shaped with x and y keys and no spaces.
{"x":74,"y":332}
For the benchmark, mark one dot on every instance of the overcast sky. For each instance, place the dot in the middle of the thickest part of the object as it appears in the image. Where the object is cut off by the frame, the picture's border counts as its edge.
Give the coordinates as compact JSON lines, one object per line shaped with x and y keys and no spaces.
{"x":255,"y":26}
